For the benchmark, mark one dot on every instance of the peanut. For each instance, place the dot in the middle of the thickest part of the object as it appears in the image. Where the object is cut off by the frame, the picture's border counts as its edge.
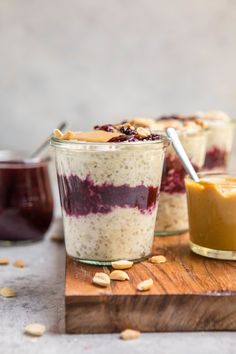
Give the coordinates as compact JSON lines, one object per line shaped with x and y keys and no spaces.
{"x":35,"y":329}
{"x":122,"y":264}
{"x":19,"y":263}
{"x":101,"y":279}
{"x":7,"y":292}
{"x":4,"y":261}
{"x":69,"y":135}
{"x":157,"y":259}
{"x":129,"y":334}
{"x":145,"y":285}
{"x":119,"y":275}
{"x":142,"y":132}
{"x":58,"y":134}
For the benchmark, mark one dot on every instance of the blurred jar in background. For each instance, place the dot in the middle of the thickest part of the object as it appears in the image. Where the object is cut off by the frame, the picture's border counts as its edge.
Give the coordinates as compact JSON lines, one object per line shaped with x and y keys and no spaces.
{"x":172,"y":215}
{"x":220,"y":140}
{"x":26,"y":202}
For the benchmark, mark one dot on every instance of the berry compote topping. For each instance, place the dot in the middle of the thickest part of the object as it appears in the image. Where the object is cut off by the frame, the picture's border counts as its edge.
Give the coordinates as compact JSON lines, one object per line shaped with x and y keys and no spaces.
{"x":82,"y":197}
{"x":173,"y":175}
{"x":128,"y":133}
{"x":123,"y":138}
{"x":215,"y":157}
{"x":107,"y":128}
{"x":134,"y":138}
{"x":127,"y":130}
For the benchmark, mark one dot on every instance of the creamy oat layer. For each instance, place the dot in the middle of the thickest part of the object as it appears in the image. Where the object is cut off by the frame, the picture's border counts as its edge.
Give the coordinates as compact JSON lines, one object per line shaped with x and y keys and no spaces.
{"x":127,"y":166}
{"x":121,"y":234}
{"x":172,"y":213}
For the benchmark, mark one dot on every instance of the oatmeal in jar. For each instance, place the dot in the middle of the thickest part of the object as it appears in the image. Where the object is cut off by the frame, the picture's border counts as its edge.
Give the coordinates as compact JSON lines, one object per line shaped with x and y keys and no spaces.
{"x":172,"y":215}
{"x":109,"y":185}
{"x":220,"y":139}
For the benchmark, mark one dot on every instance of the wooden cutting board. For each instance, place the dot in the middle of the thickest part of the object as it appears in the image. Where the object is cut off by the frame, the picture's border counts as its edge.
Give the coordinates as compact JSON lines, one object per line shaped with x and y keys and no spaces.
{"x":190,"y":293}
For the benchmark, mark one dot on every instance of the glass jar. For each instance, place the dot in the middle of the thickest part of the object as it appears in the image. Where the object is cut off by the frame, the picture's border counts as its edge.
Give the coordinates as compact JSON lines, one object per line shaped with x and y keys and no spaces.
{"x":108,"y":195}
{"x":219,"y":144}
{"x":212,"y":211}
{"x":26,"y":203}
{"x":172,"y":215}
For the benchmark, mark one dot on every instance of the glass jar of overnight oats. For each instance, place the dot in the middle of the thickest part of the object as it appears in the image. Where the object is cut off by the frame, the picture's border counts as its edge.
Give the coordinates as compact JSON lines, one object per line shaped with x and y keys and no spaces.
{"x":109,"y":184}
{"x":220,"y":140}
{"x":172,"y":215}
{"x":212,"y":210}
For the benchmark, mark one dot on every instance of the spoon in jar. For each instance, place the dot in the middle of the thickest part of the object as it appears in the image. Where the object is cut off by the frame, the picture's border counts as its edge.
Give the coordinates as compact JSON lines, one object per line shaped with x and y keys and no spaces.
{"x":178,"y":147}
{"x":38,"y":151}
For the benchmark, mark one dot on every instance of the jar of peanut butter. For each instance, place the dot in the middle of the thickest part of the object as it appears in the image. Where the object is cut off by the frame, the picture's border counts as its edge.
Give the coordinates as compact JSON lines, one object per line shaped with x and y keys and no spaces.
{"x":212,"y":215}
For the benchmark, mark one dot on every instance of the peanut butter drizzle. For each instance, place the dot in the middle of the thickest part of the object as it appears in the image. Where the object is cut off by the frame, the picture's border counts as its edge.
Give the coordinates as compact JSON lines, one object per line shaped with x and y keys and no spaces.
{"x":98,"y":136}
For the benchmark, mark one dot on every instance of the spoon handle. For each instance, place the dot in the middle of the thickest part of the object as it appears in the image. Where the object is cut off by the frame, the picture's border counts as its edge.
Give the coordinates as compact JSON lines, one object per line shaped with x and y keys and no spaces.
{"x":178,"y":147}
{"x":37,"y":152}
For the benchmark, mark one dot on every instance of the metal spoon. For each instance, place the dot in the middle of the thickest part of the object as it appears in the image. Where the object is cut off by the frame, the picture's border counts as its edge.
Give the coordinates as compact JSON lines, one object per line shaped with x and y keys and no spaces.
{"x":38,"y":151}
{"x":178,"y":147}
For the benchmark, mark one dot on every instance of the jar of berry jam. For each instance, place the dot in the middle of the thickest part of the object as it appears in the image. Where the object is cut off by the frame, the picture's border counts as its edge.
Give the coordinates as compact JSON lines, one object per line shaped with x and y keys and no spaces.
{"x":26,"y":202}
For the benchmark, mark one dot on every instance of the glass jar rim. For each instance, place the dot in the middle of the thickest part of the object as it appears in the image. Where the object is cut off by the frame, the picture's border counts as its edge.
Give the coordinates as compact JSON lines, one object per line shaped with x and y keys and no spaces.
{"x":11,"y":158}
{"x":164,"y":141}
{"x":220,"y":121}
{"x":185,"y":132}
{"x":228,"y":174}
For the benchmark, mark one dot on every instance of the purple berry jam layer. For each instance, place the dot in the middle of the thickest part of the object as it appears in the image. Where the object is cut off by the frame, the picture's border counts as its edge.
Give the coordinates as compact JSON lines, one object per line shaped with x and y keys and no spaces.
{"x":173,"y":175}
{"x":83,"y":197}
{"x":215,"y":157}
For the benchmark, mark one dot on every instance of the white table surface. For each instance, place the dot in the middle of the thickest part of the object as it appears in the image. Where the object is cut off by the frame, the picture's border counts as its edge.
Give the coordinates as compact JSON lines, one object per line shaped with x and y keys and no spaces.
{"x":40,"y":287}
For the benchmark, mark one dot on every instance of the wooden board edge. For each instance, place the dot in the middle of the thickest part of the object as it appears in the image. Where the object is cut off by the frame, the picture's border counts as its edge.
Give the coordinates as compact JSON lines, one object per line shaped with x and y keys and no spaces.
{"x":150,"y":313}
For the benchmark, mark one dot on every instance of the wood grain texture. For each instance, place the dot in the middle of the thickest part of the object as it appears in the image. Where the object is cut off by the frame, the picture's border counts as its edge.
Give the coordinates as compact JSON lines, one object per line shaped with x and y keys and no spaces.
{"x":190,"y":293}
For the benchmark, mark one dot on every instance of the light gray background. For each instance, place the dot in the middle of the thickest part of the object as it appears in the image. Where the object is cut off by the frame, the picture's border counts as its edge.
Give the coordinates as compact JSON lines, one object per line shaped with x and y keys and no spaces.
{"x":99,"y":60}
{"x":95,"y":61}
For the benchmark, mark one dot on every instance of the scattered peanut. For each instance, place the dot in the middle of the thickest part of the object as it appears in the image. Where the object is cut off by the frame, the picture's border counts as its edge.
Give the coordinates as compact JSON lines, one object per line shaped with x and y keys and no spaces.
{"x":129,"y":334}
{"x":4,"y":261}
{"x":145,"y":285}
{"x":122,"y":264}
{"x":142,"y":122}
{"x":19,"y":263}
{"x":58,"y":134}
{"x":7,"y":292}
{"x":69,"y":135}
{"x":119,"y":275}
{"x":101,"y":279}
{"x":157,"y":259}
{"x":35,"y":329}
{"x":57,"y":238}
{"x":142,"y":132}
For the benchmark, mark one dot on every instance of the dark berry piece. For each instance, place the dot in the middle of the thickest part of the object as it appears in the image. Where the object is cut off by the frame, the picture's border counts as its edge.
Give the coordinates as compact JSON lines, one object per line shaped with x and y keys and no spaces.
{"x":107,"y":128}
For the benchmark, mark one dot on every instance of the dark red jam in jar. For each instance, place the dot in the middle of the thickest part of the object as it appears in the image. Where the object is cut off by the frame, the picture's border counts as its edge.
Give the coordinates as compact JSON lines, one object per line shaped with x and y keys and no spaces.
{"x":26,"y":202}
